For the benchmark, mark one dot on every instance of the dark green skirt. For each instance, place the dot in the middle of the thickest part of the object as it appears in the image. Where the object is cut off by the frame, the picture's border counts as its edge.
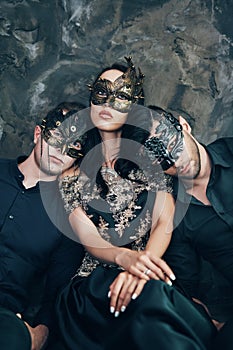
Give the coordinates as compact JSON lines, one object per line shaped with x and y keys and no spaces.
{"x":161,"y":318}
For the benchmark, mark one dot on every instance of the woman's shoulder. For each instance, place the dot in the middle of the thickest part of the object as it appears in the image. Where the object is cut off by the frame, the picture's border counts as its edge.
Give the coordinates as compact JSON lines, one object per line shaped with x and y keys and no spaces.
{"x":72,"y":188}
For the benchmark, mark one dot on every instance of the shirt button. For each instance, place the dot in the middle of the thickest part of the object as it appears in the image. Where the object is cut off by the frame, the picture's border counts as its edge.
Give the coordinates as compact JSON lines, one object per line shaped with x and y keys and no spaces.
{"x":22,"y":192}
{"x":11,"y":217}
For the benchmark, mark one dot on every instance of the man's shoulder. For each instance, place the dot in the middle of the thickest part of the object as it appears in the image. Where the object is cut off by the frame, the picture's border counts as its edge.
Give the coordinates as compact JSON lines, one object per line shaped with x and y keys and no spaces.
{"x":6,"y":160}
{"x":6,"y":163}
{"x":222,"y":145}
{"x":8,"y":169}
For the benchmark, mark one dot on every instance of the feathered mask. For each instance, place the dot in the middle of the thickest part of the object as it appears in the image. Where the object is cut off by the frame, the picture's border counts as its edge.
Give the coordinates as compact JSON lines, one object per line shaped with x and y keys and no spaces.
{"x":122,"y":93}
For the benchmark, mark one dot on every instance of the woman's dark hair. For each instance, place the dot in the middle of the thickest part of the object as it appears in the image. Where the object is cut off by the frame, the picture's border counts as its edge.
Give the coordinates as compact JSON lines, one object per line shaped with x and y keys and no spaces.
{"x":134,"y":134}
{"x":157,"y":109}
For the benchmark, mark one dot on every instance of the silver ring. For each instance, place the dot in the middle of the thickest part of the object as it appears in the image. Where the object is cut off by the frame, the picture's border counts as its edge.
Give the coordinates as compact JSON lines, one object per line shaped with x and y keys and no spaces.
{"x":147,"y":271}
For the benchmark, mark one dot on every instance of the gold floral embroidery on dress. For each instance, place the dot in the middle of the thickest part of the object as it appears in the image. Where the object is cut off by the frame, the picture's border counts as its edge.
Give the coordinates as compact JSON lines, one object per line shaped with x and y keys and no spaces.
{"x":121,"y":197}
{"x":145,"y":225}
{"x":123,"y":218}
{"x":89,"y":264}
{"x":154,"y":181}
{"x":103,"y":229}
{"x":77,"y":191}
{"x":140,"y":243}
{"x":120,"y":191}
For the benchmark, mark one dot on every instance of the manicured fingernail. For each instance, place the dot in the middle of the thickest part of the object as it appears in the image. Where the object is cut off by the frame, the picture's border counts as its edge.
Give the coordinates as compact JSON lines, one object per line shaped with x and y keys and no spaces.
{"x":134,"y":296}
{"x":112,"y":309}
{"x":123,"y":308}
{"x":169,"y":283}
{"x":117,"y":313}
{"x":109,"y":294}
{"x":172,"y":277}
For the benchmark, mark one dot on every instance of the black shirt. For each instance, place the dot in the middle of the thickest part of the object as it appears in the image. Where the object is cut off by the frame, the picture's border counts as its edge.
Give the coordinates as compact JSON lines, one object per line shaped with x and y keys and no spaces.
{"x":31,"y":246}
{"x":201,"y":249}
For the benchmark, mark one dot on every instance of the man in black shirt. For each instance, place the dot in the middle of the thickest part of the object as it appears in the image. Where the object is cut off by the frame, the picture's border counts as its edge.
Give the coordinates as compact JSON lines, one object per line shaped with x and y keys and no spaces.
{"x":32,"y":219}
{"x":201,"y":248}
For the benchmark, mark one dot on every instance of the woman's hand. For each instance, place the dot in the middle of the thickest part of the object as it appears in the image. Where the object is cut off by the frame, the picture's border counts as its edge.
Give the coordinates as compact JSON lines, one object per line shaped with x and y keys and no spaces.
{"x":145,"y":265}
{"x":124,"y":288}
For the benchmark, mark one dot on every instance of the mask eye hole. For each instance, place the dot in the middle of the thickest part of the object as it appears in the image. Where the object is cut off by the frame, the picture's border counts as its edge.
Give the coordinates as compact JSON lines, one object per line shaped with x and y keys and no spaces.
{"x":172,"y":144}
{"x":100,"y":90}
{"x":55,"y":133}
{"x":76,"y":145}
{"x":123,"y":96}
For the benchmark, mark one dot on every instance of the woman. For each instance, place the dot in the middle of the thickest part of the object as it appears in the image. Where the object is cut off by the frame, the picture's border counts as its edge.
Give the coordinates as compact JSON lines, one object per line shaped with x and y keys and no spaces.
{"x":124,"y":220}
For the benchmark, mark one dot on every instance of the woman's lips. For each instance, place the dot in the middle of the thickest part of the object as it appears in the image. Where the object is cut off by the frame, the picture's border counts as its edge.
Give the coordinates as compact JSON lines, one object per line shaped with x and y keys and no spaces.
{"x":105,"y":114}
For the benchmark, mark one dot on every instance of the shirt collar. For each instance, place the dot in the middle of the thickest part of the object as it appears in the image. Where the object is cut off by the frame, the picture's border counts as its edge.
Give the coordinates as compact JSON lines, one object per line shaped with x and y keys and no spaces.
{"x":20,"y":177}
{"x":217,"y":158}
{"x":15,"y":167}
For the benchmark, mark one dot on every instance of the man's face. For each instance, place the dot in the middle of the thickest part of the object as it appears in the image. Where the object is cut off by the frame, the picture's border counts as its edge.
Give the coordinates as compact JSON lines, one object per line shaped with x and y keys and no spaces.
{"x":174,"y":148}
{"x":188,"y":165}
{"x":49,"y":159}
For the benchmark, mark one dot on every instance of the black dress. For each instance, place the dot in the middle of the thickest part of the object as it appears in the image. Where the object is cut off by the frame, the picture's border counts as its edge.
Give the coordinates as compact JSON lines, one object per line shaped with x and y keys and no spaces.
{"x":161,"y":317}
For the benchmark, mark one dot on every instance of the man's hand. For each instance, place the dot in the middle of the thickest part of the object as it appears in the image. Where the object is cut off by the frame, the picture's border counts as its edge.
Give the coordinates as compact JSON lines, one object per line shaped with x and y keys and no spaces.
{"x":217,"y":324}
{"x":39,"y":335}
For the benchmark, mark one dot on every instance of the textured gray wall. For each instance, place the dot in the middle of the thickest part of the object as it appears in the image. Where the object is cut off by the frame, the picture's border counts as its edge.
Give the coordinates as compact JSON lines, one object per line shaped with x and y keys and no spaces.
{"x":50,"y":50}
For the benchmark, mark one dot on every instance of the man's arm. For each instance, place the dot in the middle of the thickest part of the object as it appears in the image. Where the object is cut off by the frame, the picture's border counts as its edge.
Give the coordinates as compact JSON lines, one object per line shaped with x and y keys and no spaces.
{"x":64,"y":263}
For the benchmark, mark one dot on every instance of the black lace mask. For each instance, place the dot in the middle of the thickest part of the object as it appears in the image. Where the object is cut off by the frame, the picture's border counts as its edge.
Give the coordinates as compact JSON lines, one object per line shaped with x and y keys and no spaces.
{"x":166,"y":147}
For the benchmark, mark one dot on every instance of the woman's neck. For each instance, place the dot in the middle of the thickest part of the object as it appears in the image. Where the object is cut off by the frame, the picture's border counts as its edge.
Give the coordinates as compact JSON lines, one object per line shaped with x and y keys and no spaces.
{"x":110,"y":146}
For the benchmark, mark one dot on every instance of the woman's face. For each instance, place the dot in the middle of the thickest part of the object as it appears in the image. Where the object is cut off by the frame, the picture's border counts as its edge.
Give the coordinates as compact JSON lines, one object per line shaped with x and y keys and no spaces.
{"x":104,"y":116}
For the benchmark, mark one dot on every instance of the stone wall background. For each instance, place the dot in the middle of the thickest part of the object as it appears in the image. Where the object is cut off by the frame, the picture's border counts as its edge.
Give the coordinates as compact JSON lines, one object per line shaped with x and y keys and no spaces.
{"x":50,"y":50}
